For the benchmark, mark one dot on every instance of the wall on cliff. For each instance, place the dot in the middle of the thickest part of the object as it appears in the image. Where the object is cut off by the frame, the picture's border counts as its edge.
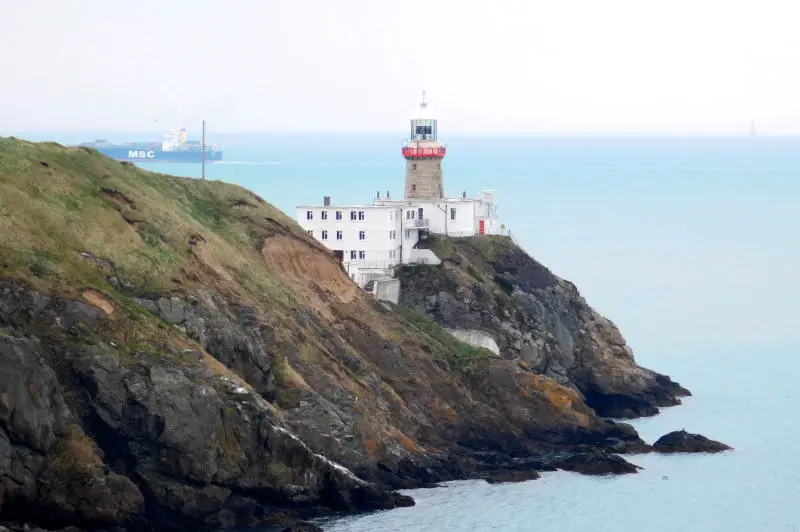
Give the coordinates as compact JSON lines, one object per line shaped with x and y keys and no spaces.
{"x":179,"y":352}
{"x":489,"y":284}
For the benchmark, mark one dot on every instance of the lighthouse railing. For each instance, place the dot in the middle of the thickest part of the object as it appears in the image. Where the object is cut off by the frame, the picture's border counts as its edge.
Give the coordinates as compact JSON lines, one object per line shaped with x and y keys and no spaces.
{"x":411,"y":151}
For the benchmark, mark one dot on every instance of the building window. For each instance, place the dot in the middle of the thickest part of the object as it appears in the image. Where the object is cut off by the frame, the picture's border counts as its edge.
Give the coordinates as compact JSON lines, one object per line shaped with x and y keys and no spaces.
{"x":338,"y":215}
{"x":352,"y":215}
{"x":324,"y":235}
{"x":324,"y":215}
{"x":392,"y":235}
{"x":353,"y":255}
{"x":311,"y":232}
{"x":452,"y":213}
{"x":413,"y":188}
{"x":391,"y":215}
{"x":360,"y":215}
{"x":309,"y":215}
{"x":362,"y":255}
{"x":414,"y":167}
{"x":338,"y":235}
{"x":362,"y":235}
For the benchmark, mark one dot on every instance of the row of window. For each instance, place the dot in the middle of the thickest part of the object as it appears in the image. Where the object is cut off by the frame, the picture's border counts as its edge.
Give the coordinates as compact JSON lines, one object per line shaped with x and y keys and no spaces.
{"x":359,"y":215}
{"x":362,"y":235}
{"x":414,"y":166}
{"x":354,"y":215}
{"x":361,"y":255}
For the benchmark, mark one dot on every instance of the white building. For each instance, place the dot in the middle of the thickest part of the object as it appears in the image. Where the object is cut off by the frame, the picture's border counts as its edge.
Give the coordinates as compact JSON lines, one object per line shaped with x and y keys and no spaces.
{"x":372,"y":239}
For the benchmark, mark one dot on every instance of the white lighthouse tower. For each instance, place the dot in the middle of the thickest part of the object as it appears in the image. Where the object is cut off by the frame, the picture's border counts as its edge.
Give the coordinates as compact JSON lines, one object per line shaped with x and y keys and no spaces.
{"x":423,"y":155}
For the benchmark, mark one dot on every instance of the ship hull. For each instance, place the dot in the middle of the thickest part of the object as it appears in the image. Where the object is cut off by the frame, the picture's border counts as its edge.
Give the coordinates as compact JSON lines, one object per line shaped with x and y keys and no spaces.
{"x":149,"y":155}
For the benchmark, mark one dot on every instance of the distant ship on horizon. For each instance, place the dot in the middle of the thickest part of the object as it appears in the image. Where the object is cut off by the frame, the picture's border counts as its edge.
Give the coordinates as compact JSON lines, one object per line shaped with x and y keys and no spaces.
{"x":173,"y":148}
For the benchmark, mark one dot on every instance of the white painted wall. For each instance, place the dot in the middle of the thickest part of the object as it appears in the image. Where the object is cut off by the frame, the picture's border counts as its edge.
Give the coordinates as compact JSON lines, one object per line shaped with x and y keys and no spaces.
{"x":372,"y":237}
{"x":476,"y":339}
{"x":439,"y":216}
{"x":383,"y":239}
{"x":424,"y":256}
{"x":388,"y":290}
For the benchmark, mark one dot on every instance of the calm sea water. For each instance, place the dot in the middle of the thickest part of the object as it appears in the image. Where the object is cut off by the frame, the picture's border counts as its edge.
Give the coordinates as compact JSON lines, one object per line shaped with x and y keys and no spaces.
{"x":747,"y":399}
{"x":691,"y":246}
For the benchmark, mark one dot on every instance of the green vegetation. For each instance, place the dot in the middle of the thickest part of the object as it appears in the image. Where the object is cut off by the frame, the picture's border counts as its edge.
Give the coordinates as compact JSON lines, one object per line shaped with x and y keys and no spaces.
{"x":74,"y":458}
{"x":477,"y":251}
{"x":57,"y":202}
{"x":458,"y":353}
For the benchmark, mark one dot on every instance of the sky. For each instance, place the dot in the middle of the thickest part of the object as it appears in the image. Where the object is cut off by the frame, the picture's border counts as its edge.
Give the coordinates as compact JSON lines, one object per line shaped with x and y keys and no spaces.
{"x":683,"y":67}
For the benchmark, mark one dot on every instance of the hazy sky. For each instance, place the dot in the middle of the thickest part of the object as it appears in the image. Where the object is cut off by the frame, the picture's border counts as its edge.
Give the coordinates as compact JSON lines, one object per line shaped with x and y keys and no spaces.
{"x":568,"y":66}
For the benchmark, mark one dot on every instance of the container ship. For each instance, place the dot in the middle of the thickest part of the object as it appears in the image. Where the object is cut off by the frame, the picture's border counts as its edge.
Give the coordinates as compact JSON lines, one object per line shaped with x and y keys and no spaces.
{"x":174,"y":148}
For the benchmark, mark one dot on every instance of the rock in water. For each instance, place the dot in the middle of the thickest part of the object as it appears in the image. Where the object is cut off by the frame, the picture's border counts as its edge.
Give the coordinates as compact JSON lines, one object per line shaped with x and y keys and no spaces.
{"x":681,"y":441}
{"x":596,"y":463}
{"x":513,"y":476}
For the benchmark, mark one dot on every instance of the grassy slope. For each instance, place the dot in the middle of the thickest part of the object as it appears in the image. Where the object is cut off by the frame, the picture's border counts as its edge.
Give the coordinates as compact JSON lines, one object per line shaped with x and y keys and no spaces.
{"x":54,"y":205}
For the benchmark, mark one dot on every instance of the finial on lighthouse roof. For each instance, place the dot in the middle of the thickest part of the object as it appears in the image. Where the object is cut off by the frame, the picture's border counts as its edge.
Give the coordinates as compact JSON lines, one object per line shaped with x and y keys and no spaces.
{"x":423,"y":112}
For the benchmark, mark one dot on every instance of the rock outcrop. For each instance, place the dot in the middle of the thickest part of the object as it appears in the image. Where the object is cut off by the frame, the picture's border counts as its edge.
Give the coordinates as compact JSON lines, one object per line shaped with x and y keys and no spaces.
{"x":179,"y":354}
{"x":681,"y":441}
{"x":595,"y":463}
{"x":489,"y":284}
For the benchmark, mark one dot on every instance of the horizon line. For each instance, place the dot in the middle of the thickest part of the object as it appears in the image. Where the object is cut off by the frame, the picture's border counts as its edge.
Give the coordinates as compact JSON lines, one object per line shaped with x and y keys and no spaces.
{"x":452,"y":134}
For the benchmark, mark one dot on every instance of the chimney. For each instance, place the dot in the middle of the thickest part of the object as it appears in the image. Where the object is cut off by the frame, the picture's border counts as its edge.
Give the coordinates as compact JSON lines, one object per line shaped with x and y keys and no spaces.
{"x":379,"y":194}
{"x":326,"y":201}
{"x":387,"y":194}
{"x":464,"y":194}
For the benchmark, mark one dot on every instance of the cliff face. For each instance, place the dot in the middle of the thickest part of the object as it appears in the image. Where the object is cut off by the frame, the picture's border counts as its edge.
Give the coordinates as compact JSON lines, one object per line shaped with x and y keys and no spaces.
{"x":177,"y":352}
{"x":488,"y":284}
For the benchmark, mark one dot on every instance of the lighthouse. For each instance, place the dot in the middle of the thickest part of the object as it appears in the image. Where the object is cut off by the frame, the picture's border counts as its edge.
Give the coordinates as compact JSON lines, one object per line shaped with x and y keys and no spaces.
{"x":371,"y":240}
{"x":423,"y":155}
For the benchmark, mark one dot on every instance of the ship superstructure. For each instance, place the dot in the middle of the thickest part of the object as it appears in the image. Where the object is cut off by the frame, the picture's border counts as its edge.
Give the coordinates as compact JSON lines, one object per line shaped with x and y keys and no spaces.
{"x":175,"y":147}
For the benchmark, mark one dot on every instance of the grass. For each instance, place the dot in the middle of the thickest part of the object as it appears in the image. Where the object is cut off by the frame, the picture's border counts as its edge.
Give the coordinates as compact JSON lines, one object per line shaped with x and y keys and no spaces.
{"x":74,"y":457}
{"x":56,"y":201}
{"x":477,"y":250}
{"x":459,"y":354}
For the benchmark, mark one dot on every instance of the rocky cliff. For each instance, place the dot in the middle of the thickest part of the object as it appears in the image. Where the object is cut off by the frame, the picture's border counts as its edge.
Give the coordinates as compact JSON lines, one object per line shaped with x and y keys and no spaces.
{"x":178,"y":353}
{"x":489,"y":285}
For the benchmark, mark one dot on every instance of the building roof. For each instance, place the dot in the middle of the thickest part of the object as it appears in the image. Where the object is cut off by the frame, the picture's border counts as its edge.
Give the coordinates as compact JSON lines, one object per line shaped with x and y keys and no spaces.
{"x":386,"y":203}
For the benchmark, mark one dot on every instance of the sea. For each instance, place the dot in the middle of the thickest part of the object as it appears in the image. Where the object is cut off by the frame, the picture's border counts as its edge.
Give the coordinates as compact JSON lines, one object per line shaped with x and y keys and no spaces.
{"x":690,"y":245}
